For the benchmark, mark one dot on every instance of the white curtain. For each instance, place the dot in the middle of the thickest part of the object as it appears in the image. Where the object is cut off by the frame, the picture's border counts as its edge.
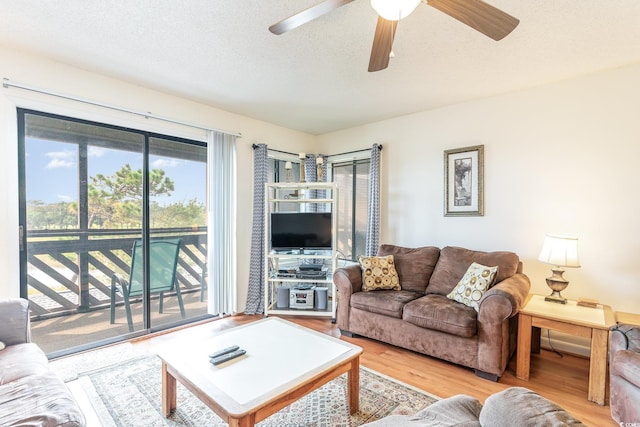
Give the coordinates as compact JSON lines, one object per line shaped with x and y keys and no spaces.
{"x":221,"y":222}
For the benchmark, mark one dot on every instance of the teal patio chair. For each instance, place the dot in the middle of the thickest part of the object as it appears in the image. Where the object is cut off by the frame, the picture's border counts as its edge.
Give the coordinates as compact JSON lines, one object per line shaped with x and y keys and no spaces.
{"x":163,"y":260}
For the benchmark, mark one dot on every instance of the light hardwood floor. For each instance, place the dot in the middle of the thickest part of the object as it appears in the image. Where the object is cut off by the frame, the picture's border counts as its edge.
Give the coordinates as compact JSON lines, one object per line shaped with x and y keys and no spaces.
{"x":563,"y":380}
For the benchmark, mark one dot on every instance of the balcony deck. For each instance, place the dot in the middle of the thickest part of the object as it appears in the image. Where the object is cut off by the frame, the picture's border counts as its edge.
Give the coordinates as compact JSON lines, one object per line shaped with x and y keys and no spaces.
{"x":63,"y":332}
{"x":69,"y":281}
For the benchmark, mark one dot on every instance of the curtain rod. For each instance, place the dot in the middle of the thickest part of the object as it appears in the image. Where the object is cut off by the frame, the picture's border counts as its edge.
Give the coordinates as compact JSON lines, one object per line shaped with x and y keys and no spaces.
{"x":330,"y":155}
{"x":356,"y":151}
{"x":6,"y":84}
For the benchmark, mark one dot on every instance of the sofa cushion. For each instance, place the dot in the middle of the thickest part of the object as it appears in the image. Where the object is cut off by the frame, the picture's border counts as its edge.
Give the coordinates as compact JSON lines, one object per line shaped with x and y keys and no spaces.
{"x":626,"y":364}
{"x":414,"y":265}
{"x":39,"y":400}
{"x":454,"y":262}
{"x":518,"y":406}
{"x":473,"y":285}
{"x":460,"y":411}
{"x":442,"y":314}
{"x":378,"y":272}
{"x":21,"y":360}
{"x":388,"y":303}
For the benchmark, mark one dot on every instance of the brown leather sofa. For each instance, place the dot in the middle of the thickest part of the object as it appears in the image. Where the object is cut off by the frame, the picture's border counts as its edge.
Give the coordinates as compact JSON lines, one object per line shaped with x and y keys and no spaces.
{"x":624,"y":374}
{"x":421,"y":318}
{"x":30,"y":395}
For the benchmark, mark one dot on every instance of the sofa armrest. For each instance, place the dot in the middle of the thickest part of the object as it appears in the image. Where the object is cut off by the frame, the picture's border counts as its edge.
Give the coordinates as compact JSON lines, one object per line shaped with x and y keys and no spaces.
{"x":14,"y":318}
{"x":498,"y":306}
{"x":625,"y":337}
{"x":348,"y":280}
{"x":505,"y":299}
{"x":626,"y":364}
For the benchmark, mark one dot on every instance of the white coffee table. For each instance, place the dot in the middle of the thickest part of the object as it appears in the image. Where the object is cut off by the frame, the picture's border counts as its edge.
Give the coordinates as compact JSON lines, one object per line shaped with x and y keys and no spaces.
{"x":283,"y":362}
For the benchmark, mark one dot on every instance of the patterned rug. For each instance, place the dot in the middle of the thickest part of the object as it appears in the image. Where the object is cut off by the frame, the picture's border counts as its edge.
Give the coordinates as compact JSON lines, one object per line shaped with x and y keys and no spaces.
{"x":128,"y":393}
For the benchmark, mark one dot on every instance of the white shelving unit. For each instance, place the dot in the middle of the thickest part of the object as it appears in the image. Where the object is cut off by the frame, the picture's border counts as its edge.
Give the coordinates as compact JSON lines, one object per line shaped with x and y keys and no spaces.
{"x":282,"y":268}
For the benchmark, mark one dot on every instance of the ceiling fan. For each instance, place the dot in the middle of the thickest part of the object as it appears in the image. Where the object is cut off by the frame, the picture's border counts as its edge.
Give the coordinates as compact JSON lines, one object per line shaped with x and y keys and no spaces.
{"x":477,"y":14}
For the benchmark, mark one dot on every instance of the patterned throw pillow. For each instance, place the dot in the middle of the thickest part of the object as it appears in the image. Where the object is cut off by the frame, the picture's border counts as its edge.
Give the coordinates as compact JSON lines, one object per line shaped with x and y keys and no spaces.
{"x":379,"y":272}
{"x":2,"y":346}
{"x":473,"y":285}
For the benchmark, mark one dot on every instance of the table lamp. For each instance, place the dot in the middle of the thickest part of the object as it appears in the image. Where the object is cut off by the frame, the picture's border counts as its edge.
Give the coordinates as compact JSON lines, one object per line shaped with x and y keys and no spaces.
{"x":559,"y":251}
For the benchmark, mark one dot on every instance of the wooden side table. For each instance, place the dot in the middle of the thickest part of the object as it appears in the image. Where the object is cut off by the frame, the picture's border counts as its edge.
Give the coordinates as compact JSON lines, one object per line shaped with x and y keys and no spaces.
{"x":572,"y":319}
{"x":627,"y":318}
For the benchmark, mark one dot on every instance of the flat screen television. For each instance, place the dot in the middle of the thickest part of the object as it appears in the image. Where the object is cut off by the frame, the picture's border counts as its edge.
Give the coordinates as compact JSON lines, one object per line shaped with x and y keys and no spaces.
{"x":300,"y":230}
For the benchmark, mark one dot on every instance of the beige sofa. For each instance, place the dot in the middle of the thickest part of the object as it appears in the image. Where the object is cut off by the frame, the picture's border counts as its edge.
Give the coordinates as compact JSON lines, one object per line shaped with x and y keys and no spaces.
{"x":420,"y":316}
{"x":30,"y":395}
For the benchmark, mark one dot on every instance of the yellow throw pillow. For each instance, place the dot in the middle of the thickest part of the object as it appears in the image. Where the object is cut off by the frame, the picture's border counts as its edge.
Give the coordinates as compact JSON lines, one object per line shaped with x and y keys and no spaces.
{"x":473,"y":285}
{"x":379,"y":272}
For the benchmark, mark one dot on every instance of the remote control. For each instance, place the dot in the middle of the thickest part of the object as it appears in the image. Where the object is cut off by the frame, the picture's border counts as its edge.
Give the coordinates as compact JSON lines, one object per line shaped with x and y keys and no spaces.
{"x":224,"y":351}
{"x":226,"y":357}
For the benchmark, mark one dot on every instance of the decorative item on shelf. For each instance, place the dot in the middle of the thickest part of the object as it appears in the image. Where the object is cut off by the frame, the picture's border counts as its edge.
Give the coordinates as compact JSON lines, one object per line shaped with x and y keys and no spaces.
{"x":559,"y":251}
{"x":287,"y":167}
{"x":587,"y":302}
{"x":319,"y":162}
{"x":303,"y":157}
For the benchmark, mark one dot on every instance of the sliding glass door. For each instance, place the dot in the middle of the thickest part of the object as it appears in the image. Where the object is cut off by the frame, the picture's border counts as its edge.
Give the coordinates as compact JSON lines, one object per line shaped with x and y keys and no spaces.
{"x":95,"y":202}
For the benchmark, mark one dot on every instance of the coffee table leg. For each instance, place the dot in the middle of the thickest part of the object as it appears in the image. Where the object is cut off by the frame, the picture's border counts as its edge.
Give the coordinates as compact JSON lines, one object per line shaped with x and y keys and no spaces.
{"x":248,"y":421}
{"x":353,"y":386}
{"x":168,"y":391}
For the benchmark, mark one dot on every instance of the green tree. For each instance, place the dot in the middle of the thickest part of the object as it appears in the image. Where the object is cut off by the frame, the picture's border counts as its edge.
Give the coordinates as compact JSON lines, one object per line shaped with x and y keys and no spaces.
{"x":182,"y":214}
{"x":115,"y":201}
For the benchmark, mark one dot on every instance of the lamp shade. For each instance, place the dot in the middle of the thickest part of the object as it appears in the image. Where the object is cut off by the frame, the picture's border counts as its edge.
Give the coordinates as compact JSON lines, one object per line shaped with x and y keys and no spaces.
{"x":560,"y":250}
{"x":394,"y":10}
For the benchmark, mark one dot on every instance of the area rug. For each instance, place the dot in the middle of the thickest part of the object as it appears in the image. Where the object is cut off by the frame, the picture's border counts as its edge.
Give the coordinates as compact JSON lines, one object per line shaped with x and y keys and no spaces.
{"x":128,"y":393}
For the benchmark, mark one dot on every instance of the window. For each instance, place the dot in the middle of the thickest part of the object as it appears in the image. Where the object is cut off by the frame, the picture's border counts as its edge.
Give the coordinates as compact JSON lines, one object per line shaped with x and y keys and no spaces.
{"x":352,"y":178}
{"x":353,"y":181}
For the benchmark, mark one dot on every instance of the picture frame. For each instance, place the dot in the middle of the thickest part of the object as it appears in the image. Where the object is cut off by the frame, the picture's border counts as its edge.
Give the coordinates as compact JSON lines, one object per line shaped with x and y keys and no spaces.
{"x":464,"y":181}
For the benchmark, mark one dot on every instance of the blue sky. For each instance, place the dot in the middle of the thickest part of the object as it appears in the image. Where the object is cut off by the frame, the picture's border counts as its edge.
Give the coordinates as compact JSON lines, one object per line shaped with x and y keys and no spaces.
{"x":52,"y":171}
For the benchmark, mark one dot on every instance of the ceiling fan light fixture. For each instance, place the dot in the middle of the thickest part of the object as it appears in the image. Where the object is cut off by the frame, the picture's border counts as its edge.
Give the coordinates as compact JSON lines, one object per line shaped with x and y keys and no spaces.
{"x":394,"y":10}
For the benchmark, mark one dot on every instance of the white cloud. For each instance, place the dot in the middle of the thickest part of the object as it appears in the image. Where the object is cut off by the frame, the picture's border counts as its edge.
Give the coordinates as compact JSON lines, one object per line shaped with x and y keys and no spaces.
{"x":96,"y":151}
{"x":59,"y":163}
{"x":64,"y":198}
{"x":60,"y":159}
{"x":165,"y":163}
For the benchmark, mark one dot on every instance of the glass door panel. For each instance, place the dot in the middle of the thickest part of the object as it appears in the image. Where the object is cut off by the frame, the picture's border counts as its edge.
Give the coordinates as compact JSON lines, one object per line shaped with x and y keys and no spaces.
{"x":177,"y":213}
{"x":80,"y":213}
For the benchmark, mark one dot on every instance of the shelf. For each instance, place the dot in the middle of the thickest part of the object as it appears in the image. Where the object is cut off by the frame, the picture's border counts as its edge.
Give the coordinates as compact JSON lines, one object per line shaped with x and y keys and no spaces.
{"x":299,"y":312}
{"x":294,"y":280}
{"x":303,"y":185}
{"x":291,"y":198}
{"x":301,"y":200}
{"x":288,"y":256}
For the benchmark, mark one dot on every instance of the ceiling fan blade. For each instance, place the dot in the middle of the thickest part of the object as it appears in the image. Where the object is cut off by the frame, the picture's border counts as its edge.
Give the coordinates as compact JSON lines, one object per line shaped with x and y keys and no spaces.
{"x":306,"y":15}
{"x":382,"y":44}
{"x":479,"y":15}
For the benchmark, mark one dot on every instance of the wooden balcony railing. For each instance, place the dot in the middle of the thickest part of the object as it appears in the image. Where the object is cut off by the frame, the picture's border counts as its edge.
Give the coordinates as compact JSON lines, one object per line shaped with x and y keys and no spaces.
{"x":70,"y":271}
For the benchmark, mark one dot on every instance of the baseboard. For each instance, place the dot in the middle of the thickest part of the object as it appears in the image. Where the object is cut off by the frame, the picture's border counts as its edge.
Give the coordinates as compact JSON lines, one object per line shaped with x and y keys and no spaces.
{"x":565,"y":343}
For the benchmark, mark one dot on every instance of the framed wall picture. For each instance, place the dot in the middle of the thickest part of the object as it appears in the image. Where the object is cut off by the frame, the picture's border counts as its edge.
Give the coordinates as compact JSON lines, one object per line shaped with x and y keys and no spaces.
{"x":464,"y":181}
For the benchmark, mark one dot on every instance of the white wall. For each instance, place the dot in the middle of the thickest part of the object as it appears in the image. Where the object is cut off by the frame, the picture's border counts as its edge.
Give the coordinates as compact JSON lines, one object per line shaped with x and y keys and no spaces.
{"x":40,"y":72}
{"x":561,"y":158}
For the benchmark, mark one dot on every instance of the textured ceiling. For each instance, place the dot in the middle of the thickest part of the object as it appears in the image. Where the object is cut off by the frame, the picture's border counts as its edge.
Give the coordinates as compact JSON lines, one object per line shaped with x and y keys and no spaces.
{"x":315,"y":78}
